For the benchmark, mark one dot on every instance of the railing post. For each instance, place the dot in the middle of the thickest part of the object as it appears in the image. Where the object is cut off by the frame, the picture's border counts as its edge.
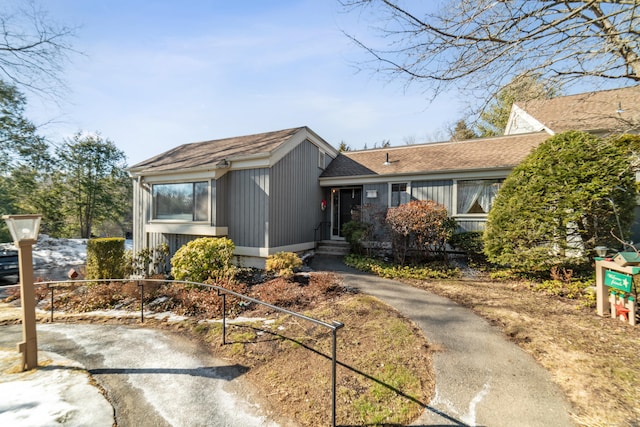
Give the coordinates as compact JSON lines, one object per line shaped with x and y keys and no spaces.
{"x":141,"y":285}
{"x":334,"y":362}
{"x":224,"y":316}
{"x":51,"y":287}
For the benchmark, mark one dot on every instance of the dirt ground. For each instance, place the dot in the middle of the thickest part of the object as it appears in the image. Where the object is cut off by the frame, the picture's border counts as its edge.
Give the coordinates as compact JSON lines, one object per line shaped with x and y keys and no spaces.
{"x":595,"y":360}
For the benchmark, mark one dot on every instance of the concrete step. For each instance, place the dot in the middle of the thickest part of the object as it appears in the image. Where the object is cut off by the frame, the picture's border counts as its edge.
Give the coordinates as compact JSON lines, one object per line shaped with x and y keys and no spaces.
{"x":333,"y":247}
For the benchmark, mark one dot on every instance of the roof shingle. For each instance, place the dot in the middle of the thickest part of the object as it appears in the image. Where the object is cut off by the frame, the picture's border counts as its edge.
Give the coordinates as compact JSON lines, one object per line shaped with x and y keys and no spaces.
{"x":209,"y":153}
{"x":474,"y":154}
{"x":615,"y":110}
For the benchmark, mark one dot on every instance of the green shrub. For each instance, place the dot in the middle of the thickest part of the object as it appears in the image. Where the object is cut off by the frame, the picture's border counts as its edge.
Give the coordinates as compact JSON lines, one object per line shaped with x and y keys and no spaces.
{"x":356,"y":232}
{"x":105,"y":258}
{"x":204,"y":258}
{"x":471,"y":243}
{"x":146,"y":261}
{"x":393,"y":271}
{"x":283,"y":263}
{"x":564,"y":190}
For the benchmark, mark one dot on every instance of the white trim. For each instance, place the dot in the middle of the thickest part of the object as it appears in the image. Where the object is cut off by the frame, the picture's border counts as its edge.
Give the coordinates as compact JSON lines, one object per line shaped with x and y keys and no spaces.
{"x":390,"y":192}
{"x":535,"y":124}
{"x":265,"y":252}
{"x":185,"y":228}
{"x":345,"y":181}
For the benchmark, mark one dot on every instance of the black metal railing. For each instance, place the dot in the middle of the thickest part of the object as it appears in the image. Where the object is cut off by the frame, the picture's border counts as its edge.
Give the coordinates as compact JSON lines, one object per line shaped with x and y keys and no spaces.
{"x":222,"y":292}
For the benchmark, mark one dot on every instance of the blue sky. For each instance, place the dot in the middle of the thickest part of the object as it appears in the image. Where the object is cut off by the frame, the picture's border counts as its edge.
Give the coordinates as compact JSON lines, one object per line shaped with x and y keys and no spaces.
{"x":157,"y":74}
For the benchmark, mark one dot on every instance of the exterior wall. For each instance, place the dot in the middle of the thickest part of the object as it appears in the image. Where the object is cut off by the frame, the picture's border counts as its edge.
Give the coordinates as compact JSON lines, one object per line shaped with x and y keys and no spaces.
{"x":439,"y":191}
{"x":294,"y":209}
{"x":247,"y":207}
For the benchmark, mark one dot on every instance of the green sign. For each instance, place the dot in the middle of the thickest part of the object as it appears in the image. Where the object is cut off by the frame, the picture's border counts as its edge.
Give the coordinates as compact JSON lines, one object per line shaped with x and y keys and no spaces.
{"x":618,"y":281}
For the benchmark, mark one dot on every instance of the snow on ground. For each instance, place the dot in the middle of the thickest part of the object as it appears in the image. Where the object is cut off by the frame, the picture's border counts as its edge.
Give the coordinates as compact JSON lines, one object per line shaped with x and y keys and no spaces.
{"x":57,"y":393}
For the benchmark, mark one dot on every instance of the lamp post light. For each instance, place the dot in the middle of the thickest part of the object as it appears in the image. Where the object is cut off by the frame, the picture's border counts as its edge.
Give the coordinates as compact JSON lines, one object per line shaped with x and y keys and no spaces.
{"x":24,"y":231}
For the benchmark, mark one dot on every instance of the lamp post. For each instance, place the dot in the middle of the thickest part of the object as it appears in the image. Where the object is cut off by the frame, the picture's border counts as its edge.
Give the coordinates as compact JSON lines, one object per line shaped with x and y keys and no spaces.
{"x":24,"y":231}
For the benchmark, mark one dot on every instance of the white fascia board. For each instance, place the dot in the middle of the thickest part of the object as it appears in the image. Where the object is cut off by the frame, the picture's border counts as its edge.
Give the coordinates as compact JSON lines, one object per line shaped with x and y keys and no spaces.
{"x":183,"y":176}
{"x":265,"y":252}
{"x":535,"y":125}
{"x":379,"y":179}
{"x":297,"y":139}
{"x":185,"y":228}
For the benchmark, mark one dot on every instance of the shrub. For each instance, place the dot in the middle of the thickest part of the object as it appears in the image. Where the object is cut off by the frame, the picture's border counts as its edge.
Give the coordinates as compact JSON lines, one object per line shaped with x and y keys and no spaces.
{"x":146,"y":261}
{"x":356,"y":232}
{"x":559,"y":203}
{"x":283,"y":263}
{"x":204,"y":258}
{"x":470,"y":242}
{"x":105,"y":258}
{"x":420,"y":224}
{"x":391,"y":271}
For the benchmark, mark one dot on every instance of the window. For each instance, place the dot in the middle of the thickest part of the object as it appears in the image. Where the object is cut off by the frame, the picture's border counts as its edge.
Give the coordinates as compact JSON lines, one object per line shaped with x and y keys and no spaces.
{"x":187,"y":201}
{"x":321,"y":159}
{"x":477,"y":196}
{"x":399,"y":194}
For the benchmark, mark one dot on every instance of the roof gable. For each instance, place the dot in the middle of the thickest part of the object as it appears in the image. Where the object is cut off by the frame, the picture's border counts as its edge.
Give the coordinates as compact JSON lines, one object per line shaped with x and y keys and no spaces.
{"x":615,"y":110}
{"x":209,"y":155}
{"x":469,"y":155}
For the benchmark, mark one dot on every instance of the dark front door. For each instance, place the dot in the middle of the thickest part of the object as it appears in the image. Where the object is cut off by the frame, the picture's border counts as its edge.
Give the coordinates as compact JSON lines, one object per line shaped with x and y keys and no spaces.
{"x":346,"y":203}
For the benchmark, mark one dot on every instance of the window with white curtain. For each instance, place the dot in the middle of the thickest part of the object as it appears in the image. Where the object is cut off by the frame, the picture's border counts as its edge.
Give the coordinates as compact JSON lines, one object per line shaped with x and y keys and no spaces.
{"x":477,"y":196}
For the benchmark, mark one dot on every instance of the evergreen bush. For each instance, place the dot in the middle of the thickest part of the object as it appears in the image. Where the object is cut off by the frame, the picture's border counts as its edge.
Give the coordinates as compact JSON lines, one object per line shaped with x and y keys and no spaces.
{"x":204,"y":258}
{"x":283,"y":264}
{"x":105,"y":258}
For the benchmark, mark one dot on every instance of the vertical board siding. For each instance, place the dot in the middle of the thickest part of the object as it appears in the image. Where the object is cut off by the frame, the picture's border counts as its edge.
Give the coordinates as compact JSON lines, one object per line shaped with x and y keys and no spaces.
{"x":296,"y":195}
{"x":247,"y":195}
{"x":439,"y":191}
{"x":140,"y":201}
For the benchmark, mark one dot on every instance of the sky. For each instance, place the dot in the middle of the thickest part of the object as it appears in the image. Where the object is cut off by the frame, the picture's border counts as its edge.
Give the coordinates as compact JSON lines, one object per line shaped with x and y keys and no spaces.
{"x":156,"y":74}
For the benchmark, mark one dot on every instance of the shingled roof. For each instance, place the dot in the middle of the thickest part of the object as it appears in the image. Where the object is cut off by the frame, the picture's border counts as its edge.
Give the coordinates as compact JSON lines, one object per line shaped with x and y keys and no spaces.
{"x":474,"y":154}
{"x":616,"y":110}
{"x":199,"y":155}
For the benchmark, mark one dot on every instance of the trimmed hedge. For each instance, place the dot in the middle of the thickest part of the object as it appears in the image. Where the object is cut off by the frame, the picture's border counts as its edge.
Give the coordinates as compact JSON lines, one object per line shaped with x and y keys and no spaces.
{"x":105,"y":258}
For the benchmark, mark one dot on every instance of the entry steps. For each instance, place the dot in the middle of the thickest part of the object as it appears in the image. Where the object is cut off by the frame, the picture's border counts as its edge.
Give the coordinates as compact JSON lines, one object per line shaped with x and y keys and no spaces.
{"x":332,"y":247}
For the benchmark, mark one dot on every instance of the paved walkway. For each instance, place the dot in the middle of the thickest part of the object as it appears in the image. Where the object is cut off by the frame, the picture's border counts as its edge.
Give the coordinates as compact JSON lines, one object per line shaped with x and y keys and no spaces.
{"x":481,"y":378}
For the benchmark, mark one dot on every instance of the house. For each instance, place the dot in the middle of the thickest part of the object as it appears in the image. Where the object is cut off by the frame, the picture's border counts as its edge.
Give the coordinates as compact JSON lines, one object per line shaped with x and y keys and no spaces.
{"x":600,"y":113}
{"x":286,"y":190}
{"x":261,"y":191}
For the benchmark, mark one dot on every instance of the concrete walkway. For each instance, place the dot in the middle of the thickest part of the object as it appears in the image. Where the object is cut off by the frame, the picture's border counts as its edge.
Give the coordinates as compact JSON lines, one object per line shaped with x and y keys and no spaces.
{"x":482,"y":379}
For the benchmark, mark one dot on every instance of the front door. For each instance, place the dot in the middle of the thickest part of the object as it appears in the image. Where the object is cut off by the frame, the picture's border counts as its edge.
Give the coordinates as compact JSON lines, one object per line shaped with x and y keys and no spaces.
{"x":344,"y":203}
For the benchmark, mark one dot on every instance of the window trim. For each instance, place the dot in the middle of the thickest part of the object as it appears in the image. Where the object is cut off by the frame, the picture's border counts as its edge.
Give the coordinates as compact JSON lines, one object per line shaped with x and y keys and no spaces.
{"x":390,"y":192}
{"x":457,"y":214}
{"x":154,"y":219}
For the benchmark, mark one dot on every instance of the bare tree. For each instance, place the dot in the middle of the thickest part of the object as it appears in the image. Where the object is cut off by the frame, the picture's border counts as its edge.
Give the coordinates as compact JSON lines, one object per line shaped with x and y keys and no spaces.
{"x":482,"y":44}
{"x":33,"y":49}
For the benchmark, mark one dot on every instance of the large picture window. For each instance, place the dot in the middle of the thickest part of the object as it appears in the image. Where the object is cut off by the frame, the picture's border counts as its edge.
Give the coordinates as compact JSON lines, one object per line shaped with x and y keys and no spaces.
{"x":477,"y":196}
{"x":188,"y":201}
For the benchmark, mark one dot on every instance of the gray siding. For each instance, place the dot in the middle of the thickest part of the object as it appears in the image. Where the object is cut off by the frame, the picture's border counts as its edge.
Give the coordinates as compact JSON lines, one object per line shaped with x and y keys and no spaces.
{"x":247,"y":207}
{"x":139,"y":209}
{"x":439,"y":191}
{"x":295,"y":205}
{"x":470,"y":224}
{"x":219,"y":209}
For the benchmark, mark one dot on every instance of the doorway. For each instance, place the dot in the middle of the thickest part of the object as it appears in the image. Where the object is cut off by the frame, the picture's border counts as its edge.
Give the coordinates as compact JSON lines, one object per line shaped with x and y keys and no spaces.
{"x":345,"y":202}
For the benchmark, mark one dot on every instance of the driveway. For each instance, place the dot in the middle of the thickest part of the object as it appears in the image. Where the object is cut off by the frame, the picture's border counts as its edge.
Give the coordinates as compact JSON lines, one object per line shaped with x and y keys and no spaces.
{"x":152,"y":377}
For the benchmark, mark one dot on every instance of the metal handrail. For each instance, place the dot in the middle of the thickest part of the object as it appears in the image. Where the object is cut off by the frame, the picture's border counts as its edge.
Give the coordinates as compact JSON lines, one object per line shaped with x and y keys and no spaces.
{"x":315,"y":230}
{"x":222,"y":292}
